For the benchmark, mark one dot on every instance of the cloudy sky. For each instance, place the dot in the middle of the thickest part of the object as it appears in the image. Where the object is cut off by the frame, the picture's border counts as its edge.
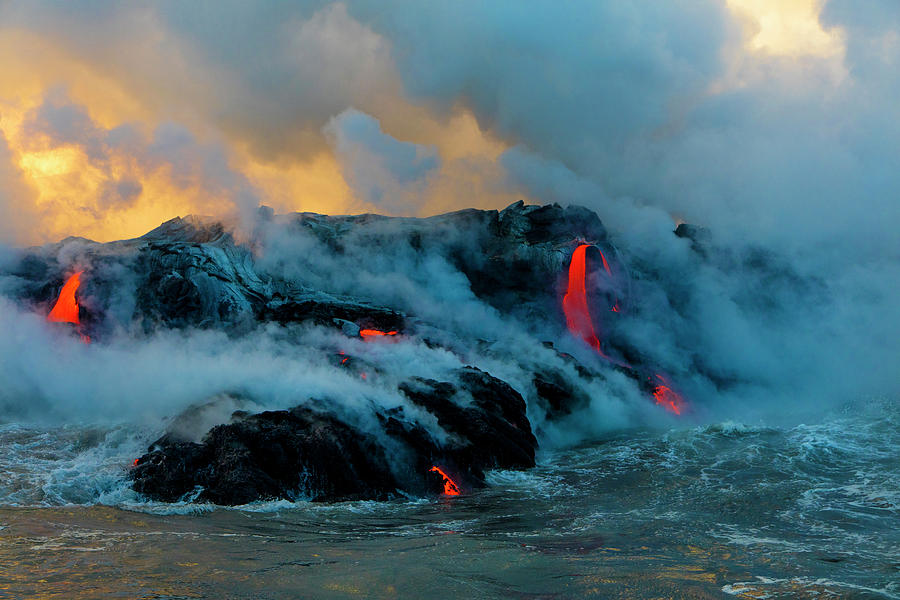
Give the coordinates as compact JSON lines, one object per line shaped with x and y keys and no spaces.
{"x":775,"y":120}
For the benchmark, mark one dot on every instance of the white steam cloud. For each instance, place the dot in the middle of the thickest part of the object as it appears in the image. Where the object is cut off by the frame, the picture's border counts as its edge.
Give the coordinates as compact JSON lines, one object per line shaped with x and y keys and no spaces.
{"x":383,"y":171}
{"x":640,"y":112}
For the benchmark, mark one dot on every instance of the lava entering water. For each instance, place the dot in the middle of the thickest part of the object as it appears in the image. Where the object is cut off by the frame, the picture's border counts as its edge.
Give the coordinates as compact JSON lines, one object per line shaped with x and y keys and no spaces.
{"x":669,"y":398}
{"x":373,"y":333}
{"x":66,"y":308}
{"x":575,"y":305}
{"x":580,"y":324}
{"x":450,"y":487}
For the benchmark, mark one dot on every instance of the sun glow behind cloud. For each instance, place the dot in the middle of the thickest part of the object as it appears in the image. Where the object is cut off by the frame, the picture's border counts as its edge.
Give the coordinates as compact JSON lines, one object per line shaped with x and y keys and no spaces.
{"x":68,"y":190}
{"x":788,"y":27}
{"x":72,"y":192}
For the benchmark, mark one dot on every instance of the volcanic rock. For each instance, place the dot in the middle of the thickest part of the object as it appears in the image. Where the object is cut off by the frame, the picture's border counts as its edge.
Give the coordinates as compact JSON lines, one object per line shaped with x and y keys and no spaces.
{"x":194,"y":272}
{"x":307,"y":452}
{"x":191,"y":271}
{"x":275,"y":454}
{"x":557,"y":394}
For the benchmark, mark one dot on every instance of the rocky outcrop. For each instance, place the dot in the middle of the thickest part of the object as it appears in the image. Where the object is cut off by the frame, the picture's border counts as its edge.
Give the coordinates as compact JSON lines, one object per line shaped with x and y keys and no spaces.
{"x":307,"y":452}
{"x":193,"y":273}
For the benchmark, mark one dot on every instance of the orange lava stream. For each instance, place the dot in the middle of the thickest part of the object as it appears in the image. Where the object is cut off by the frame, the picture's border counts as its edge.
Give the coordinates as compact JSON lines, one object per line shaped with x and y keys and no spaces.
{"x":575,"y":306}
{"x":66,"y":308}
{"x":373,"y":333}
{"x":450,"y":488}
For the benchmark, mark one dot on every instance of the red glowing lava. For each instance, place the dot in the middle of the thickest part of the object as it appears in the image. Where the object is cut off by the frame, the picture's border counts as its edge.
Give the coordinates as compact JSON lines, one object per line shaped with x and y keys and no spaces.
{"x":665,"y":395}
{"x":374,"y":333}
{"x":580,"y":324}
{"x":575,"y":305}
{"x":66,"y":308}
{"x":450,"y":488}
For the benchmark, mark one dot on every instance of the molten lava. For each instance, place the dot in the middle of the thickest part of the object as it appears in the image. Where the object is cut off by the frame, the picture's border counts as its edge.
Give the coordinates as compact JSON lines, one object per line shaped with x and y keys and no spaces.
{"x":575,"y":304}
{"x":580,"y":324}
{"x":665,"y":395}
{"x":374,"y":333}
{"x":66,"y":308}
{"x":450,"y":488}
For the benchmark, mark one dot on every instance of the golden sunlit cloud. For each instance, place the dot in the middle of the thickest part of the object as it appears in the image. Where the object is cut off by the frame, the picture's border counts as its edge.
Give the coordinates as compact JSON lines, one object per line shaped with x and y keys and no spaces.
{"x":49,"y":163}
{"x":788,"y":27}
{"x":132,"y":188}
{"x":75,"y":193}
{"x":67,"y":189}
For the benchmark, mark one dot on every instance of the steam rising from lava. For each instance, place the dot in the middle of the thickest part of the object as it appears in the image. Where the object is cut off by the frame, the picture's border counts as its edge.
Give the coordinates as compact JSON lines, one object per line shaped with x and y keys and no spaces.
{"x":581,"y":324}
{"x":802,"y":181}
{"x":667,"y":397}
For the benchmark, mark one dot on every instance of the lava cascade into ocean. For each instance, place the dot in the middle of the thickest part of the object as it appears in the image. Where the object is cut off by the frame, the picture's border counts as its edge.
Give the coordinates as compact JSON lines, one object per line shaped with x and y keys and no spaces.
{"x":580,"y":323}
{"x":66,"y":309}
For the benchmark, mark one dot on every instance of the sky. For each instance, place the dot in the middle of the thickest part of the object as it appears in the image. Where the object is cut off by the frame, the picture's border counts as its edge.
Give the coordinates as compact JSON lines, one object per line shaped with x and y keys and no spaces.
{"x":773,"y":119}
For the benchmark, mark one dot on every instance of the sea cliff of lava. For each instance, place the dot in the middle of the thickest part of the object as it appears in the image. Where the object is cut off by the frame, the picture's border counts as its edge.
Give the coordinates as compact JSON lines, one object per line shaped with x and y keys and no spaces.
{"x":441,"y":347}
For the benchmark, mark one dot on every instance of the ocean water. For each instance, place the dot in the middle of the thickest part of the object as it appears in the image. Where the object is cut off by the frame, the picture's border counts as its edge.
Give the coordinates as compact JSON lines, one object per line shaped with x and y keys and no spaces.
{"x":724,"y":510}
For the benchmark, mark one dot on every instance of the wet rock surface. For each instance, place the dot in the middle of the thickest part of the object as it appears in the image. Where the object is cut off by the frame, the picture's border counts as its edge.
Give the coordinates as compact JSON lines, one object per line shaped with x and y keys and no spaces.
{"x":306,"y":452}
{"x":288,"y":454}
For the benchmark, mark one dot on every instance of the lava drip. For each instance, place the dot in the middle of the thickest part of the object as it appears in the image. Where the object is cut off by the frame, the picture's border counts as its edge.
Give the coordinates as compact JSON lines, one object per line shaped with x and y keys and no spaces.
{"x":575,"y":304}
{"x":66,"y":309}
{"x":666,"y":396}
{"x":450,"y":487}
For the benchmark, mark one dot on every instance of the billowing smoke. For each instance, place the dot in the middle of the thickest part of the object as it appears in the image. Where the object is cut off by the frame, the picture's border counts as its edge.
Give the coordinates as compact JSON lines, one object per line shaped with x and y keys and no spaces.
{"x":647,"y":115}
{"x":388,"y":174}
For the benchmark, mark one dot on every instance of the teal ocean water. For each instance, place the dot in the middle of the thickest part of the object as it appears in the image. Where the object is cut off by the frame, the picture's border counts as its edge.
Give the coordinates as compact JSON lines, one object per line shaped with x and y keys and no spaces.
{"x":807,"y":510}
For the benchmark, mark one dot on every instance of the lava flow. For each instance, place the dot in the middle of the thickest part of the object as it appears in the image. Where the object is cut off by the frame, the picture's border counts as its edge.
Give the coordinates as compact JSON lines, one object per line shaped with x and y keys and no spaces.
{"x":575,"y":304}
{"x":665,"y":395}
{"x":373,"y":333}
{"x":580,"y":324}
{"x":66,"y":308}
{"x":450,"y":487}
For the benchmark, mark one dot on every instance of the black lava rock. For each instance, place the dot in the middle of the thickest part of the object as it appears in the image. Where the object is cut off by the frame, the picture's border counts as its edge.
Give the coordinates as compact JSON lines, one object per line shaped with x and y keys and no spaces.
{"x":307,"y":452}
